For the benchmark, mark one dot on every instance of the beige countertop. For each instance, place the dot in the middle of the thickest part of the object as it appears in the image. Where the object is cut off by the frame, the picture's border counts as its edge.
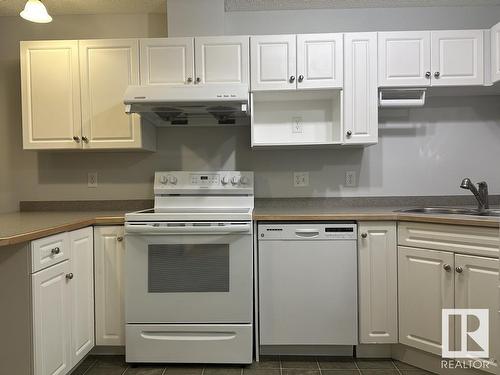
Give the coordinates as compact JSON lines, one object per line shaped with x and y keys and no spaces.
{"x":18,"y":227}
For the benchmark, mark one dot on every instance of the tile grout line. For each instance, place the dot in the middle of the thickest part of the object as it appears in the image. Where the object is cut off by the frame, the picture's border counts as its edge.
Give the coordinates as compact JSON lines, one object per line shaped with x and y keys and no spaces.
{"x":164,"y":371}
{"x":357,"y":367}
{"x":90,"y":367}
{"x":397,"y":368}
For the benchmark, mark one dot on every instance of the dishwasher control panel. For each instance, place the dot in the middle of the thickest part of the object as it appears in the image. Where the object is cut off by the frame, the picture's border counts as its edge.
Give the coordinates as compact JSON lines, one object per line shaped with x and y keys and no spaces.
{"x":308,"y":231}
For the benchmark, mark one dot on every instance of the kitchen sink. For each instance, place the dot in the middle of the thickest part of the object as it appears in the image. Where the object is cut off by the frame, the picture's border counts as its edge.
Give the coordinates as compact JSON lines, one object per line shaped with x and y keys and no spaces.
{"x":451,"y":211}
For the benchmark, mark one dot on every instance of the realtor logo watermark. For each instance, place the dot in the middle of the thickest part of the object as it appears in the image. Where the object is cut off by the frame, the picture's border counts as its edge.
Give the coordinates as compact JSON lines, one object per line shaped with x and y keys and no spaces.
{"x":472,"y":330}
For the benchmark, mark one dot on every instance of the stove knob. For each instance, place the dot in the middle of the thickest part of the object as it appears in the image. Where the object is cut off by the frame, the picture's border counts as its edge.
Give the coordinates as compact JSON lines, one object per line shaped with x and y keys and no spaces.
{"x":172,"y":179}
{"x":163,"y":180}
{"x":235,"y":180}
{"x":244,"y":180}
{"x":224,"y":180}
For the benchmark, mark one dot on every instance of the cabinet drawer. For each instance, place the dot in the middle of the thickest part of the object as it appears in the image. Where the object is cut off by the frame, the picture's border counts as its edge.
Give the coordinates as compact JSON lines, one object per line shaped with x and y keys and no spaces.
{"x":455,"y":238}
{"x":49,"y":250}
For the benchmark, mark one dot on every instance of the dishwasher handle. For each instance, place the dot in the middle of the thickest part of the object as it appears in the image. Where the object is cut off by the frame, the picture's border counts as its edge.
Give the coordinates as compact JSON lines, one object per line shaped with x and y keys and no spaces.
{"x":307,"y":233}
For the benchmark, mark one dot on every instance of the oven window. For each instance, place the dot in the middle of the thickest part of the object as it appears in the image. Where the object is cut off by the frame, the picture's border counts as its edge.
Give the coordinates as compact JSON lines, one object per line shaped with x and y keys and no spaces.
{"x":181,"y":268}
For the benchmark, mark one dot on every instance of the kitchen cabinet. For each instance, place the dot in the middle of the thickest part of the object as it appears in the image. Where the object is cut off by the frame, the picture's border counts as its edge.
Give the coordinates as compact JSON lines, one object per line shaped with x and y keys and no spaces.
{"x":425,"y":284}
{"x":167,"y":61}
{"x":63,"y":308}
{"x":290,"y":62}
{"x":52,"y":320}
{"x":425,"y":58}
{"x":273,"y":62}
{"x":378,"y":283}
{"x":72,"y":95}
{"x":107,"y":67}
{"x":360,"y":88}
{"x":404,"y":58}
{"x":201,"y":60}
{"x":495,"y":52}
{"x":50,"y":90}
{"x":109,"y":252}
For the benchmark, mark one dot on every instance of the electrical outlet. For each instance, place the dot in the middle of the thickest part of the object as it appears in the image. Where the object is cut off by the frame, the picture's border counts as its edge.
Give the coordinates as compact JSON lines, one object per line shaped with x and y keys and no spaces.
{"x":297,"y":127}
{"x":300,"y":179}
{"x":350,"y":179}
{"x":92,"y":179}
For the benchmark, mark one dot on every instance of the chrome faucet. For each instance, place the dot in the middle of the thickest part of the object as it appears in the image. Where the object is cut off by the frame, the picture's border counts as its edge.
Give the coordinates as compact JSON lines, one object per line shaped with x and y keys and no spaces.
{"x":481,"y":194}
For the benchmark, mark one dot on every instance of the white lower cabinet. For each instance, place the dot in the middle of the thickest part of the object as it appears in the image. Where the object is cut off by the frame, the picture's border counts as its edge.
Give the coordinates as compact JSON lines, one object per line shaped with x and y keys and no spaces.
{"x":378,"y":278}
{"x":109,"y":301}
{"x":495,"y":53}
{"x":63,"y":308}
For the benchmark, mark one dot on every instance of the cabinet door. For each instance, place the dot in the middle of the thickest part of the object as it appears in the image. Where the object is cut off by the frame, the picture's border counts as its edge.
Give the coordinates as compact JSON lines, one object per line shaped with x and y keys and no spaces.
{"x":425,"y":288}
{"x":319,"y":61}
{"x":222,"y":59}
{"x":476,"y":287}
{"x":404,"y":58}
{"x":457,"y":58}
{"x":360,"y":88}
{"x":50,"y":88}
{"x":82,"y":293}
{"x":52,"y":320}
{"x":495,"y":52}
{"x":109,"y":303}
{"x":107,"y":68}
{"x":378,"y":283}
{"x":273,"y":62}
{"x":167,"y":61}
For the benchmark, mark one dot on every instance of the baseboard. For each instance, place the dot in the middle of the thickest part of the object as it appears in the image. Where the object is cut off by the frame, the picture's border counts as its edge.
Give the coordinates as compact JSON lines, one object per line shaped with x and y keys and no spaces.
{"x":373,"y":351}
{"x":108,"y":350}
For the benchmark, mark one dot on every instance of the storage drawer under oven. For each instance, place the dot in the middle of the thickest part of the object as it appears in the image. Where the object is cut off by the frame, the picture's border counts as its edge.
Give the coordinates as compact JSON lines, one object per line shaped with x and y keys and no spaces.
{"x":189,"y":343}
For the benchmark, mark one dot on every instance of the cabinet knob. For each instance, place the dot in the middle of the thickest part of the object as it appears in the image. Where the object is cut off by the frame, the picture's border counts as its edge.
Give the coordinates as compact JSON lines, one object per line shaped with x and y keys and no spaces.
{"x":76,"y":139}
{"x":55,"y":251}
{"x":292,"y":79}
{"x":301,"y":78}
{"x":198,"y":79}
{"x":119,"y":239}
{"x":447,"y":267}
{"x":69,"y":276}
{"x":437,"y":74}
{"x":349,"y":133}
{"x":364,"y":235}
{"x":85,"y":139}
{"x":427,"y":74}
{"x":190,"y":79}
{"x":459,"y":269}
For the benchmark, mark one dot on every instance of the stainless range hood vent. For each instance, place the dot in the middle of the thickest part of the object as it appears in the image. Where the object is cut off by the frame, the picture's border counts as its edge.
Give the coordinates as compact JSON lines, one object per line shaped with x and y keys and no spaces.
{"x":192,"y":105}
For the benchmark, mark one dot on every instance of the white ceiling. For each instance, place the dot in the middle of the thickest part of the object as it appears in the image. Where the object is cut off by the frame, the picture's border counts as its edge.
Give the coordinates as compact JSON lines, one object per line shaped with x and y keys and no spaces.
{"x":60,"y":7}
{"x":242,"y":5}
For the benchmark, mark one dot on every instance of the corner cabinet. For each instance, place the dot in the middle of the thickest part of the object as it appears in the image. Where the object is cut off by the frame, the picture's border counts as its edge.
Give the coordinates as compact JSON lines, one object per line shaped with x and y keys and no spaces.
{"x":378,"y":289}
{"x":72,"y":95}
{"x":495,"y":53}
{"x":109,"y":249}
{"x":360,"y":88}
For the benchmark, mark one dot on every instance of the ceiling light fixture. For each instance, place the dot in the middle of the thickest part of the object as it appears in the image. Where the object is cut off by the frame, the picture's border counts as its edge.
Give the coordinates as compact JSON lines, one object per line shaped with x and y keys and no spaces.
{"x":35,"y":11}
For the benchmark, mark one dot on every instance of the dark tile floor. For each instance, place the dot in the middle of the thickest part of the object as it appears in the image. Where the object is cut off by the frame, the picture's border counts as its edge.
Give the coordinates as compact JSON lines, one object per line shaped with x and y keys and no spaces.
{"x":284,"y":365}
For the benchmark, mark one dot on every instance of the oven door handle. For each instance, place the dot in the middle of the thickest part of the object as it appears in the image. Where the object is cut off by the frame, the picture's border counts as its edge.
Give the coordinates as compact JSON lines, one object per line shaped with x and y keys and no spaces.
{"x":148,"y":228}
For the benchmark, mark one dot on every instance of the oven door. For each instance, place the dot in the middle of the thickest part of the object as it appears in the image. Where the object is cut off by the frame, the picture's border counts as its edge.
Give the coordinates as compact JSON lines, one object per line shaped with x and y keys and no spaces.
{"x":188,"y":272}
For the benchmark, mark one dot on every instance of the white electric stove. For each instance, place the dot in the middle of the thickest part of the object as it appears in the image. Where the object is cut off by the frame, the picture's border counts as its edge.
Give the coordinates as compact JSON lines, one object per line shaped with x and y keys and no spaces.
{"x":189,"y":270}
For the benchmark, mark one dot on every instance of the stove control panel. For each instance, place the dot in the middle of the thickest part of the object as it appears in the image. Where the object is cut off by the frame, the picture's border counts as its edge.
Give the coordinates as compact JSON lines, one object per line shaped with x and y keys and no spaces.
{"x":184,"y":180}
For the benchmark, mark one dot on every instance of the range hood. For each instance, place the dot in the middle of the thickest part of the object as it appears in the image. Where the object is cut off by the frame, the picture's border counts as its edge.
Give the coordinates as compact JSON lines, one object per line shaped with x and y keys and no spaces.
{"x":190,"y":105}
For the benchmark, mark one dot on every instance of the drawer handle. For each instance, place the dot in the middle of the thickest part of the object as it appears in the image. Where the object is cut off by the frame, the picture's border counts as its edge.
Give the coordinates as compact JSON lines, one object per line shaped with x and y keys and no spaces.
{"x":69,"y":276}
{"x":55,"y":251}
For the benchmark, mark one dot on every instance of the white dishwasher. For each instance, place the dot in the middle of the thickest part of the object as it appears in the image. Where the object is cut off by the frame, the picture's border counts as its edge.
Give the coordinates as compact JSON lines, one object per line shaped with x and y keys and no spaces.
{"x":307,"y":283}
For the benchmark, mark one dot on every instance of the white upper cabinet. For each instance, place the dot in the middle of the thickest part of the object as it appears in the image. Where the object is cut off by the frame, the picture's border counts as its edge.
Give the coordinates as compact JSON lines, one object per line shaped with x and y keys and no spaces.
{"x":107,"y":68}
{"x":404,"y":58}
{"x":167,"y":61}
{"x":273,"y":62}
{"x":50,"y":87}
{"x":222,"y":60}
{"x":319,"y":61}
{"x":360,"y":88}
{"x":378,"y":283}
{"x":495,"y":53}
{"x":457,"y":58}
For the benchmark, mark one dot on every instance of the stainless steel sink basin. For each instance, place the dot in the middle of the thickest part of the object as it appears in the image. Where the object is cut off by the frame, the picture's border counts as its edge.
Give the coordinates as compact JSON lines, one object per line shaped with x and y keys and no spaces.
{"x":451,"y":211}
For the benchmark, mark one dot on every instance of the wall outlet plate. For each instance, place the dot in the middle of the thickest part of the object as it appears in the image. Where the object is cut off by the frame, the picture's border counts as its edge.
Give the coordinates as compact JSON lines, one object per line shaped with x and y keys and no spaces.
{"x":92,"y":179}
{"x":350,"y":179}
{"x":297,"y":127}
{"x":300,"y":179}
